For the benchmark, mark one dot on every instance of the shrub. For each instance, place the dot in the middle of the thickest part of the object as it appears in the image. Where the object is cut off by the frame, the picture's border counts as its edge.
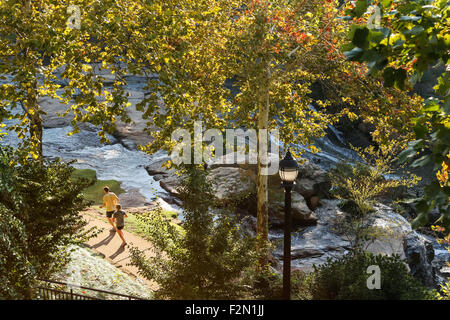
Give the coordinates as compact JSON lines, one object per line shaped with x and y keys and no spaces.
{"x":359,"y":185}
{"x":17,"y":272}
{"x":42,"y":204}
{"x":346,"y":278}
{"x":207,"y":258}
{"x":270,"y":286}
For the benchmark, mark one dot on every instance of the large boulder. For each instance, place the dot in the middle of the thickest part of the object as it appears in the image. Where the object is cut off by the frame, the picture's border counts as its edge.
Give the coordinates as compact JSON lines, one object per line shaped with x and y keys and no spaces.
{"x":230,"y":182}
{"x":420,"y":255}
{"x":301,"y":214}
{"x":312,"y":181}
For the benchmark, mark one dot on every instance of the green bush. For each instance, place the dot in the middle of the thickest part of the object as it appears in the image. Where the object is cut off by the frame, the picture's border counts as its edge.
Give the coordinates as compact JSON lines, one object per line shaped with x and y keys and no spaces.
{"x":346,"y":278}
{"x":270,"y":286}
{"x":41,"y":205}
{"x":208,"y":258}
{"x":359,"y":185}
{"x":17,"y":272}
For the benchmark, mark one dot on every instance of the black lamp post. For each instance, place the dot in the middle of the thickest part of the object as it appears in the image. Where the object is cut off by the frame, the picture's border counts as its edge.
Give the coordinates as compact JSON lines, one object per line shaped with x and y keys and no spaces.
{"x":288,"y":171}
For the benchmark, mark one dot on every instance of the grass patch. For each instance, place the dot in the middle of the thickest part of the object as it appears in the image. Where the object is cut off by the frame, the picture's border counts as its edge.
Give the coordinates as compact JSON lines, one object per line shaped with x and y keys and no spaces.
{"x":95,"y":192}
{"x":136,"y":226}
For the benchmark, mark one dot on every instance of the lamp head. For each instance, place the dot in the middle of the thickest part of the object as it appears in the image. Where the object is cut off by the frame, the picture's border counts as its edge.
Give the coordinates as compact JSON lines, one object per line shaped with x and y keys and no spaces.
{"x":288,"y":169}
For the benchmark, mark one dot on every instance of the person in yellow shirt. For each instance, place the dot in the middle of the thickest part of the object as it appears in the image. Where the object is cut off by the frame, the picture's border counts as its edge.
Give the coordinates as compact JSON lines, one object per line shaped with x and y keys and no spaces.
{"x":110,"y":200}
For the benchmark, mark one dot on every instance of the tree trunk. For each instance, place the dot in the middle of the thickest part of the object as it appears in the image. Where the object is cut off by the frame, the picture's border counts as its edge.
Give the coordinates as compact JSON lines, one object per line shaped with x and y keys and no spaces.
{"x":32,"y":106}
{"x":36,"y":132}
{"x":262,"y":180}
{"x":36,"y":128}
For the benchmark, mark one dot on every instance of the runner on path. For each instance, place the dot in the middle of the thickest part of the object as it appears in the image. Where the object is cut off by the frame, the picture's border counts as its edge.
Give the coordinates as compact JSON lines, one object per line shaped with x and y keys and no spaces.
{"x":119,"y":218}
{"x":110,"y":200}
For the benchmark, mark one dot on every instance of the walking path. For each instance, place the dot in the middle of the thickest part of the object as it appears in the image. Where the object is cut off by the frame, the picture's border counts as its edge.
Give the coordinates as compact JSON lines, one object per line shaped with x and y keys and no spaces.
{"x":109,"y":244}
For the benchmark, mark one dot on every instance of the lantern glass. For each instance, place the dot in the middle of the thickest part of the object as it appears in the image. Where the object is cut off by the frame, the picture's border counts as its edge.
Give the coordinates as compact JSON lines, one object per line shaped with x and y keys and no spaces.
{"x":288,"y":174}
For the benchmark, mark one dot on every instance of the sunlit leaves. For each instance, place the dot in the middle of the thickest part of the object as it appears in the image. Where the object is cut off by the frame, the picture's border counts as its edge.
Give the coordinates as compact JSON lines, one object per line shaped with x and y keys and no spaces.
{"x":413,"y":37}
{"x":46,"y":58}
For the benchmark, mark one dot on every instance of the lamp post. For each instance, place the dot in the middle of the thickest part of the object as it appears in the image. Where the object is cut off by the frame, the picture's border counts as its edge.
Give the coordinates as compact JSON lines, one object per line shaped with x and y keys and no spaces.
{"x":288,"y":171}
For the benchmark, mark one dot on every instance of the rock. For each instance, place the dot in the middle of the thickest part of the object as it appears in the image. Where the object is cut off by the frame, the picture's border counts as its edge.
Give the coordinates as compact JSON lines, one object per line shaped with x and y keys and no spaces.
{"x":170,"y":184}
{"x":301,"y":214}
{"x":391,"y":229}
{"x":440,"y":261}
{"x":231,"y":182}
{"x":314,"y":202}
{"x":158,"y":177}
{"x":156,"y":167}
{"x":53,"y":107}
{"x":313,"y":245}
{"x":132,"y":198}
{"x":312,"y":181}
{"x":228,"y":181}
{"x":420,"y":254}
{"x":397,"y":237}
{"x":249,"y":225}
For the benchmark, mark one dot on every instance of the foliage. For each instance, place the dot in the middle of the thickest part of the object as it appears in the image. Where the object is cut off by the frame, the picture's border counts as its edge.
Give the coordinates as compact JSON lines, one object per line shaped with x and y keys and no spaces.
{"x":204,"y":260}
{"x":412,"y":36}
{"x":359,"y":185}
{"x":442,"y":175}
{"x":137,"y":225}
{"x":45,"y":58}
{"x":18,"y":273}
{"x":270,"y":286}
{"x":94,"y":192}
{"x":247,"y":64}
{"x":346,"y":278}
{"x":364,"y":182}
{"x":44,"y":202}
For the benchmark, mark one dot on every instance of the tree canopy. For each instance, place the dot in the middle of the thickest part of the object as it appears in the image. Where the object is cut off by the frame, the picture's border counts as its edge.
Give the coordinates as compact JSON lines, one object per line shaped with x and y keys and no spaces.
{"x":412,"y":36}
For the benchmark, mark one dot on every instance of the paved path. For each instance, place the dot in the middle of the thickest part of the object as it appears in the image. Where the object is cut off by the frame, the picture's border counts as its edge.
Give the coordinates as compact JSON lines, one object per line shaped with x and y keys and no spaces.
{"x":109,"y":244}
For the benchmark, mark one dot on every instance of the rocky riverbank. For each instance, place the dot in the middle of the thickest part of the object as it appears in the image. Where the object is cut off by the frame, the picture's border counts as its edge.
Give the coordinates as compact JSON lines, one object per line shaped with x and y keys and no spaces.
{"x":315,"y":216}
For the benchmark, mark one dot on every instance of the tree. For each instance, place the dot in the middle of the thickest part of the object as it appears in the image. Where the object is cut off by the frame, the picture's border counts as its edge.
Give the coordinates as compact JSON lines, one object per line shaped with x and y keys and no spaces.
{"x":411,"y":37}
{"x":208,"y":258}
{"x":44,"y":57}
{"x":42,"y":203}
{"x":270,"y":52}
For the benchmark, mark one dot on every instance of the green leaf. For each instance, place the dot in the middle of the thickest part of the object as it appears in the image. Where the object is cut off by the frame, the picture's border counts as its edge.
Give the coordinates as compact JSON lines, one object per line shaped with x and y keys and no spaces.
{"x":389,"y":77}
{"x":361,"y":7}
{"x":410,"y":18}
{"x":360,"y":37}
{"x":420,"y":220}
{"x":386,"y":3}
{"x":420,"y":130}
{"x":414,"y":30}
{"x":446,"y":106}
{"x":400,"y":78}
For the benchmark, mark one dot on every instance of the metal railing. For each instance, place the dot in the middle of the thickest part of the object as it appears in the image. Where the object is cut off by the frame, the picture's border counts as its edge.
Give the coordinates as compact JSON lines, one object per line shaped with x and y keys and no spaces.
{"x":49,"y":293}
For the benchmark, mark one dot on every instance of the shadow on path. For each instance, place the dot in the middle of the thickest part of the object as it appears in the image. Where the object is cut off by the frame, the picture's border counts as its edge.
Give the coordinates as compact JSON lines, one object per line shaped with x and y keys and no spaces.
{"x":119,"y":251}
{"x":105,"y":241}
